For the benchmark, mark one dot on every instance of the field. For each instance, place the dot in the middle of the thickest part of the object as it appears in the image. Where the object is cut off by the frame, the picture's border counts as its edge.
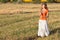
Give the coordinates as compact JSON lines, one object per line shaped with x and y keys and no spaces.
{"x":20,"y":21}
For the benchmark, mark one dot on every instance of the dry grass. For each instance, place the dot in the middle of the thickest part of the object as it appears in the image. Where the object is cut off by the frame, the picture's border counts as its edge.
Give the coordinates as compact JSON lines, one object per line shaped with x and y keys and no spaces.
{"x":14,"y":8}
{"x":23,"y":25}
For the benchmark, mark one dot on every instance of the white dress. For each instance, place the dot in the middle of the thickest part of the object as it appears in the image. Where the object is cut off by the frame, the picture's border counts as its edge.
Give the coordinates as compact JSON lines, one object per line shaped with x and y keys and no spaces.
{"x":43,"y":28}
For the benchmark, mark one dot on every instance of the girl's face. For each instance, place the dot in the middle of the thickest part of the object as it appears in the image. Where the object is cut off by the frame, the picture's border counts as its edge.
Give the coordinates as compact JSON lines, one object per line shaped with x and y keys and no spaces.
{"x":43,"y":6}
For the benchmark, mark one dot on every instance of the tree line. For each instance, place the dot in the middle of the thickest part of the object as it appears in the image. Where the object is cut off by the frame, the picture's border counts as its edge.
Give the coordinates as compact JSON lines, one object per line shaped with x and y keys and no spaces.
{"x":26,"y":1}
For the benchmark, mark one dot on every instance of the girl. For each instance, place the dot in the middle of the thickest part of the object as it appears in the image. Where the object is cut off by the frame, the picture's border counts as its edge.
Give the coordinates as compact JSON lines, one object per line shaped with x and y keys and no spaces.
{"x":43,"y":27}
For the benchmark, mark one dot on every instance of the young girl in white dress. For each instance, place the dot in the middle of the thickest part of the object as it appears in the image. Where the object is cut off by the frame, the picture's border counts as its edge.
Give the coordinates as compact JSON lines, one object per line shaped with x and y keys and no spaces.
{"x":43,"y":26}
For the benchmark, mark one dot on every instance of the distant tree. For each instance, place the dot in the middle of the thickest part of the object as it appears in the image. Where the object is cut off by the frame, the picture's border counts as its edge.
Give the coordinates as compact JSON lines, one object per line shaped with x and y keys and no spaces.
{"x":19,"y":1}
{"x":4,"y":1}
{"x":36,"y":1}
{"x":11,"y":0}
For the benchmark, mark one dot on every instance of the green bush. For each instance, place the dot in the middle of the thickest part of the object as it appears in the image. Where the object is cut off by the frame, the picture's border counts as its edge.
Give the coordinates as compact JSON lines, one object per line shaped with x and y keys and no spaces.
{"x":4,"y":1}
{"x":36,"y":1}
{"x":50,"y":1}
{"x":14,"y":1}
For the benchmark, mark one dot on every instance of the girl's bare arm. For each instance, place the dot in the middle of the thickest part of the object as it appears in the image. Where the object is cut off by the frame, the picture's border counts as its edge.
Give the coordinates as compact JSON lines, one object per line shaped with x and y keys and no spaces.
{"x":39,"y":13}
{"x":47,"y":15}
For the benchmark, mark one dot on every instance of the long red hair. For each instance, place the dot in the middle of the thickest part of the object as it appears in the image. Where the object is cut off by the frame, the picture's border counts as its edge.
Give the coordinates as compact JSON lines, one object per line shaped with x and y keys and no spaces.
{"x":45,"y":6}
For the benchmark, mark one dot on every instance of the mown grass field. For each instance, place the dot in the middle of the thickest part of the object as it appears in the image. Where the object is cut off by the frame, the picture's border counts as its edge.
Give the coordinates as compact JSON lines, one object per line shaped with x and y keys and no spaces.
{"x":23,"y":25}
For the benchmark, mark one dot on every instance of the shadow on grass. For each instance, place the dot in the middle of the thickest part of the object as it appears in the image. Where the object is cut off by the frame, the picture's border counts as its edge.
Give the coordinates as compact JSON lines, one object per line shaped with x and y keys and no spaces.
{"x":54,"y":31}
{"x":27,"y":12}
{"x":31,"y":38}
{"x":35,"y":37}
